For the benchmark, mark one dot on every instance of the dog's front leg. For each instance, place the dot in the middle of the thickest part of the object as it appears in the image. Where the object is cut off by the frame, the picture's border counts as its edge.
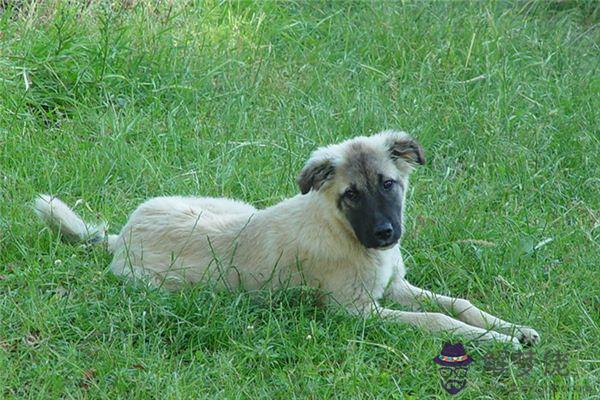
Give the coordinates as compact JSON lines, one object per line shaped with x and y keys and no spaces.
{"x":407,"y":294}
{"x":438,"y":322}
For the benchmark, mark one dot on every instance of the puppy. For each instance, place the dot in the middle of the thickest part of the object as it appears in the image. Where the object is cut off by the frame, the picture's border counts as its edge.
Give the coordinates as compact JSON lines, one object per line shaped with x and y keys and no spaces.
{"x":339,"y":235}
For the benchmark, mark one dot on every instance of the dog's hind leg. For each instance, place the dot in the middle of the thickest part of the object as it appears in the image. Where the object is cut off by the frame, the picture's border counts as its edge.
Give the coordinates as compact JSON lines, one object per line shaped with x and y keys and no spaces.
{"x":407,"y":294}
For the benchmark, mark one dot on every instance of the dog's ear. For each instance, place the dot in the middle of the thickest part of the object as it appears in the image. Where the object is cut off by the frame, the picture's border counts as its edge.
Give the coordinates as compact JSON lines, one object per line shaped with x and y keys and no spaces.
{"x":405,"y":151}
{"x":317,"y":171}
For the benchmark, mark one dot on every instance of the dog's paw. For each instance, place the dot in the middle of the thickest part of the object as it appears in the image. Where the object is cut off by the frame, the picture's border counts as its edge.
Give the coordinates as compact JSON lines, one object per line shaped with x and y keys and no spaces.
{"x":528,"y":336}
{"x":502,"y":338}
{"x":515,"y":343}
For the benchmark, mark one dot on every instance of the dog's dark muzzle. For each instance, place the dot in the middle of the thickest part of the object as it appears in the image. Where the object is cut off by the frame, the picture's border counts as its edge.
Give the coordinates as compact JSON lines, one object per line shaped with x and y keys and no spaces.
{"x":384,"y":235}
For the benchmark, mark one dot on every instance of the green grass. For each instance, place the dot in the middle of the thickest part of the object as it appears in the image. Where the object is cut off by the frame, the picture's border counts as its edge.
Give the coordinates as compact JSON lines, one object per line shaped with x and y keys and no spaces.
{"x":112,"y":105}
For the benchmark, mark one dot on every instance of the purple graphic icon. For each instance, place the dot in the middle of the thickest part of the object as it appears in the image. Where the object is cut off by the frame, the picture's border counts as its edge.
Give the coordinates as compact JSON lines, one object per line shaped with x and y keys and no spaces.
{"x":453,"y":364}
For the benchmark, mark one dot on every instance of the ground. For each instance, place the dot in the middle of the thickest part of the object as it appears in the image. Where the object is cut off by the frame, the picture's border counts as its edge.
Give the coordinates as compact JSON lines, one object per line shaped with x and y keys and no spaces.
{"x":107,"y":105}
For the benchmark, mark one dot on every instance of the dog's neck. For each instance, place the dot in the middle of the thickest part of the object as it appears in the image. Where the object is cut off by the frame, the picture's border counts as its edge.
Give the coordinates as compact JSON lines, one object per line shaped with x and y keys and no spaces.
{"x":309,"y":219}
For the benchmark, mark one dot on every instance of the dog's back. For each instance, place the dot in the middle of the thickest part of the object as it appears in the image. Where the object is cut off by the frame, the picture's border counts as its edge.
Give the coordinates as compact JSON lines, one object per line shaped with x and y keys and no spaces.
{"x":323,"y":237}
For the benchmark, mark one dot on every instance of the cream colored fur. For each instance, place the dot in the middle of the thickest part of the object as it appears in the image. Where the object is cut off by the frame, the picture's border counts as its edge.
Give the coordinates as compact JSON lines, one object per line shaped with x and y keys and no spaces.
{"x":304,"y":240}
{"x":60,"y":217}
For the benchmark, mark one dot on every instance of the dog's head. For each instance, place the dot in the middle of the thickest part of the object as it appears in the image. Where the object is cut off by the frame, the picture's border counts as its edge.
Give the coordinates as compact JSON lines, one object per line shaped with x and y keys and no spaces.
{"x":366,"y":179}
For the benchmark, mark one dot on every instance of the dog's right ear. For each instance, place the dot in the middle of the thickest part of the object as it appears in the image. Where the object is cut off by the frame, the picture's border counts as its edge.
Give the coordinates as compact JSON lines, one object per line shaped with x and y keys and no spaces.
{"x":315,"y":173}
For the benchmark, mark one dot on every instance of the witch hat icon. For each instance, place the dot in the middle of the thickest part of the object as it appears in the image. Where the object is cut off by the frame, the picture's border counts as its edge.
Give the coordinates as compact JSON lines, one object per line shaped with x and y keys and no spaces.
{"x":453,"y":367}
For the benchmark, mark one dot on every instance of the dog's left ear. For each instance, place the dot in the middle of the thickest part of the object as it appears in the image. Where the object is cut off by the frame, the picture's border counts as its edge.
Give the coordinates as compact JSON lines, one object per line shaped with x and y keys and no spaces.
{"x":403,"y":149}
{"x":315,"y":173}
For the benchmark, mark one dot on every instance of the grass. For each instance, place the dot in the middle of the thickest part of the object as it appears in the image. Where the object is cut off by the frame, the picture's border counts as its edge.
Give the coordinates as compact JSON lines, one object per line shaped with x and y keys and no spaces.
{"x":107,"y":105}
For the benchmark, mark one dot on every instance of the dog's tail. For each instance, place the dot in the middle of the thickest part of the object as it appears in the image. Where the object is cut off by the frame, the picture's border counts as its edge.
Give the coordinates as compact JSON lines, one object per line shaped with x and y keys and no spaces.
{"x":59,"y":217}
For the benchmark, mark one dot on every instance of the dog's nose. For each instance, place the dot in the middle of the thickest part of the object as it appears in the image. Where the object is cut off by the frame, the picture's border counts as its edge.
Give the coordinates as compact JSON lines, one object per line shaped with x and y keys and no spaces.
{"x":384,"y":231}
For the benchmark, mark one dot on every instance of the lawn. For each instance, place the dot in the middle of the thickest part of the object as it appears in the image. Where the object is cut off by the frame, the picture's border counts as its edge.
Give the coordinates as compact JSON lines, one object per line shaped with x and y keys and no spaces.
{"x":106,"y":106}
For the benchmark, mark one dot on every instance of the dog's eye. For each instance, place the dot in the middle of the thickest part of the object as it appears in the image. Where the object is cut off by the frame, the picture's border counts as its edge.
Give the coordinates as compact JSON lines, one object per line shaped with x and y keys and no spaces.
{"x":351,"y":194}
{"x":388,"y":184}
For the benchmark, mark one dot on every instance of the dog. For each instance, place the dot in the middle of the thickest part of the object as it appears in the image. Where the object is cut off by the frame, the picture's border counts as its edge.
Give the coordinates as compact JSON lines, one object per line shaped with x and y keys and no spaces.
{"x":340,"y":235}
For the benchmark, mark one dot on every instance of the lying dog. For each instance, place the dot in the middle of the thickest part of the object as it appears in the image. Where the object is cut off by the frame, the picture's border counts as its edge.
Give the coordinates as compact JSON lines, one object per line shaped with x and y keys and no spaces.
{"x":340,"y":236}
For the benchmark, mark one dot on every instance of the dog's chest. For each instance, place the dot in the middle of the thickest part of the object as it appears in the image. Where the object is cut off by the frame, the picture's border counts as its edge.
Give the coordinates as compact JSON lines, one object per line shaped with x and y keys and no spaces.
{"x":389,"y":266}
{"x":364,"y":279}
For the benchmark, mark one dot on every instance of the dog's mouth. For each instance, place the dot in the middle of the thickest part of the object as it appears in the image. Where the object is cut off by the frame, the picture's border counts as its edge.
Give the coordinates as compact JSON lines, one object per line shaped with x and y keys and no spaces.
{"x":387,"y":246}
